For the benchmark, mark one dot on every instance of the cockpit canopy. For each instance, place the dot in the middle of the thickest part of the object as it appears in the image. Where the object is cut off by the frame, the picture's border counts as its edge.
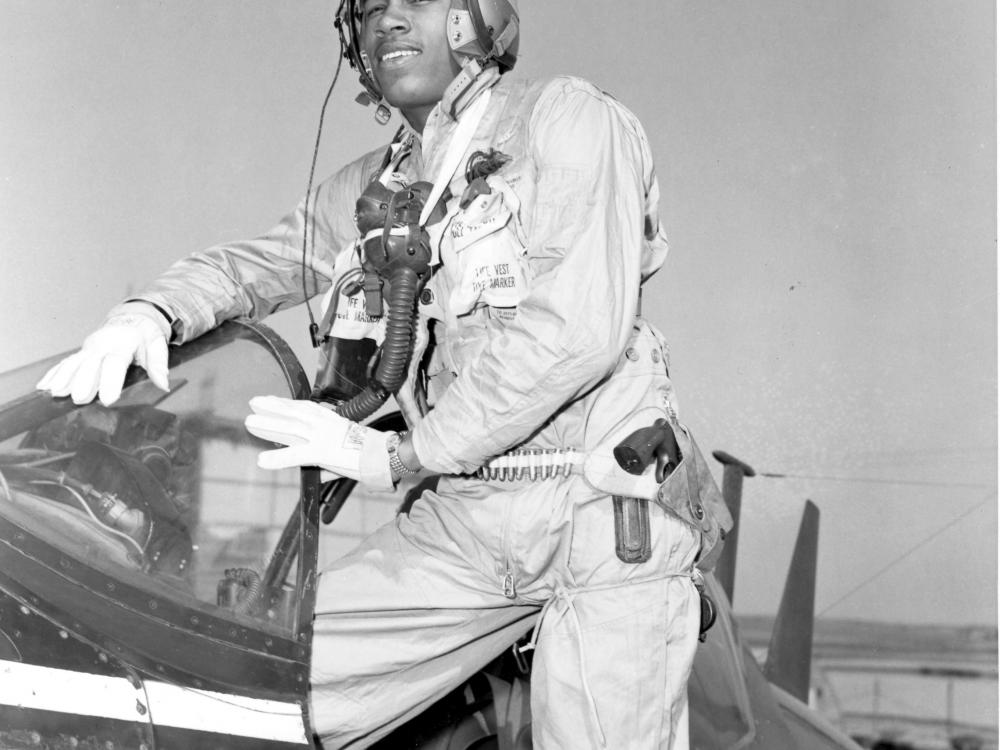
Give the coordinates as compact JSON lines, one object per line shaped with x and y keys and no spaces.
{"x":162,"y":489}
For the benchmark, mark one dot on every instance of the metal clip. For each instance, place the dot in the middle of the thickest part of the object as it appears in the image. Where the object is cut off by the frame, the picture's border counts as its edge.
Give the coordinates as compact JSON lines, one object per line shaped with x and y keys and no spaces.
{"x":508,"y":585}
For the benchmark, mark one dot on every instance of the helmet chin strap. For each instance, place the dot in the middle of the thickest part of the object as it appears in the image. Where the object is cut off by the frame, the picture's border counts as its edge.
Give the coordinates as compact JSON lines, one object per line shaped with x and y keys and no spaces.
{"x":480,"y":68}
{"x":479,"y":59}
{"x":471,"y":79}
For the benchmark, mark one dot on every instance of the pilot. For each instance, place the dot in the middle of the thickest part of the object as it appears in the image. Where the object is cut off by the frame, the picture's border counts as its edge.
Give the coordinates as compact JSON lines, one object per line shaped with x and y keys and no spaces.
{"x":537,"y":363}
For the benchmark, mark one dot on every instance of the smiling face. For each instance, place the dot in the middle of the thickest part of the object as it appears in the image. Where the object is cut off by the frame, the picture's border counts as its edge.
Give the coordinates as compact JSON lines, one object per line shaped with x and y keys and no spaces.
{"x":407,"y":48}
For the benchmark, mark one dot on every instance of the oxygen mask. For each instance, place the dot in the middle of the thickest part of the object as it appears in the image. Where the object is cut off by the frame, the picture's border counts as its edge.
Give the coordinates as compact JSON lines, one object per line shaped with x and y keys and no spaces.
{"x":392,"y":236}
{"x":396,"y":260}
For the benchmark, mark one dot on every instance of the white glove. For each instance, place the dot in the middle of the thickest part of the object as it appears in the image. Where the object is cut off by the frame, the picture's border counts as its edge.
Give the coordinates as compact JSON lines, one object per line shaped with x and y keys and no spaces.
{"x":133,"y":332}
{"x":318,"y":436}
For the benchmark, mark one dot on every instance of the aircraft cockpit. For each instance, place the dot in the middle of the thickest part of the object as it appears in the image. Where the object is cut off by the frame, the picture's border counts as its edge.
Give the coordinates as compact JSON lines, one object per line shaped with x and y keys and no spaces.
{"x":157,"y":491}
{"x":154,"y":490}
{"x":146,"y":531}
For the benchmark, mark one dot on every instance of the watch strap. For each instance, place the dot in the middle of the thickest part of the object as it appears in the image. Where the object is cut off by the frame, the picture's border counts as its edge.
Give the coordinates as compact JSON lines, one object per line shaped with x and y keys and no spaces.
{"x":396,"y":465}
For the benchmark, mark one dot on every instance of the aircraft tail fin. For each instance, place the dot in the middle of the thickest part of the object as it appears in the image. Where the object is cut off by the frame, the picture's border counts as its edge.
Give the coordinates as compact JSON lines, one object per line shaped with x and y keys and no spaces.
{"x":789,"y":656}
{"x":733,"y":473}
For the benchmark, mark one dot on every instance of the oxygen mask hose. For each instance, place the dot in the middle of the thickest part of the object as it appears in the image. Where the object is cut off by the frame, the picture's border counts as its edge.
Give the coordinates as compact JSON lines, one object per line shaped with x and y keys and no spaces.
{"x":396,"y":251}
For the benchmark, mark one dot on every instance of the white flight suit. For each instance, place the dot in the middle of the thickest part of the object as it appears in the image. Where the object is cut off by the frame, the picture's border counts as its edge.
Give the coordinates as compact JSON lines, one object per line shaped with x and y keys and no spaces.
{"x":538,"y":345}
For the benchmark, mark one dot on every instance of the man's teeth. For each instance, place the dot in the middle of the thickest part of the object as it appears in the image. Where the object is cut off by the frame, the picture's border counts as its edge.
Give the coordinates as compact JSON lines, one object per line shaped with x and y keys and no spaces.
{"x":398,"y":53}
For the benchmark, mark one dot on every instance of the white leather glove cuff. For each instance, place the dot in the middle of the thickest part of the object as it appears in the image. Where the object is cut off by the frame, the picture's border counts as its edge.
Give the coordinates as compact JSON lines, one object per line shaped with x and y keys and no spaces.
{"x":318,"y":436}
{"x":374,"y":465}
{"x":144,"y":309}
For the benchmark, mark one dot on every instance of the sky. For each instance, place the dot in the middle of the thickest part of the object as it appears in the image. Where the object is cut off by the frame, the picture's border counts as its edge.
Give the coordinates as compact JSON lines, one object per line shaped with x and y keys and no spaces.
{"x":828,"y":179}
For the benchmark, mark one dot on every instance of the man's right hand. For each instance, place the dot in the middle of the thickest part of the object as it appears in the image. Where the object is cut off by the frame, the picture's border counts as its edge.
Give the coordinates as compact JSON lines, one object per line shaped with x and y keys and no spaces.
{"x":133,"y":332}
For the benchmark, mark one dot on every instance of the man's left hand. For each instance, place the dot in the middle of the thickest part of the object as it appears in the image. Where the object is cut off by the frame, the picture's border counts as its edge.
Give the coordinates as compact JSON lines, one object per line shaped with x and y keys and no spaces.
{"x":317,"y":436}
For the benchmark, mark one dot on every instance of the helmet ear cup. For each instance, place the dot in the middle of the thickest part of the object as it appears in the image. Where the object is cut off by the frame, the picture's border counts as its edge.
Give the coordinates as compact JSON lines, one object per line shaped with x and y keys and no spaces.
{"x":491,"y":30}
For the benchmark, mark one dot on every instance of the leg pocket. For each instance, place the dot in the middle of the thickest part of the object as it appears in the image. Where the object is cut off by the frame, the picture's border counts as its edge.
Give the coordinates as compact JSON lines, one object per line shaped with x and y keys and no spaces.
{"x":614,"y":662}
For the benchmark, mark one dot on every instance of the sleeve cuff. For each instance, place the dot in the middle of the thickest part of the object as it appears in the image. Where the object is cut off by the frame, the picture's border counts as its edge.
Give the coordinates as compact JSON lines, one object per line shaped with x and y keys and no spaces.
{"x":429,"y":458}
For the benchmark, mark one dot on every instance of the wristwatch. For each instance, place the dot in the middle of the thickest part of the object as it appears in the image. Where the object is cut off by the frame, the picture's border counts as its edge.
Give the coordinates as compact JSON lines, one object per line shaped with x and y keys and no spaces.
{"x":396,"y":465}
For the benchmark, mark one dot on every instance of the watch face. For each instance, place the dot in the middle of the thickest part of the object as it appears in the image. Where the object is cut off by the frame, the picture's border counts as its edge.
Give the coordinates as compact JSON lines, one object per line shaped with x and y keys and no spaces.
{"x":392,"y":444}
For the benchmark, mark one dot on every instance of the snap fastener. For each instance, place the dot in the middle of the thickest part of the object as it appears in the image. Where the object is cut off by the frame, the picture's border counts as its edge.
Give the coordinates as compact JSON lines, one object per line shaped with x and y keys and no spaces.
{"x":426,"y":297}
{"x":656,"y":355}
{"x":632,"y":354}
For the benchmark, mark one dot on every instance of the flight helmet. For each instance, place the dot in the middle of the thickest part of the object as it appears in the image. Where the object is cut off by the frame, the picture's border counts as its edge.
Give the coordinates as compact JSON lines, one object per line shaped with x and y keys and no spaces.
{"x":483,"y":30}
